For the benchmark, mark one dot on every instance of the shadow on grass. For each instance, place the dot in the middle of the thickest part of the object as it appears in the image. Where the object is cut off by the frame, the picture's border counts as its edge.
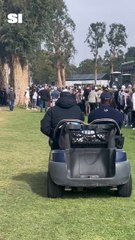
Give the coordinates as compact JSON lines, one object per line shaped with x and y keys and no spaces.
{"x":38,"y":184}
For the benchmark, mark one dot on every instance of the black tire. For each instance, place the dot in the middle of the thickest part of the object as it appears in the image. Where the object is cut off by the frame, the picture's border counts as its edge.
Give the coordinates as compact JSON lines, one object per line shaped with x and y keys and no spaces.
{"x":125,"y":190}
{"x":53,"y":190}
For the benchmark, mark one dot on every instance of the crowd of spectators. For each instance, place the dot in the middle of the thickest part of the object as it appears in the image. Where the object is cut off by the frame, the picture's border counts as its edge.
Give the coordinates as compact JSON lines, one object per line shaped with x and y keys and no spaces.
{"x":123,"y":100}
{"x":87,"y":97}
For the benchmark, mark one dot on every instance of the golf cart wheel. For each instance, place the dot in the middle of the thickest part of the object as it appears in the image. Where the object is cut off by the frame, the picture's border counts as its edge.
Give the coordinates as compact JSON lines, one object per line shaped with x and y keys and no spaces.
{"x":53,"y":190}
{"x":125,"y":190}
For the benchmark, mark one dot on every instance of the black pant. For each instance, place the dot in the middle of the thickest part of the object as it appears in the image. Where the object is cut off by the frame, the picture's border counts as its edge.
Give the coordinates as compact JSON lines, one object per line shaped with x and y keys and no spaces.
{"x":133,"y":119}
{"x":93,"y":106}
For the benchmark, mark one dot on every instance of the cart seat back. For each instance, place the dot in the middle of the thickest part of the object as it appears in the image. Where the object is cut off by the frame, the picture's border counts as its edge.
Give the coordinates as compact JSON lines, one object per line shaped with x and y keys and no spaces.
{"x":98,"y":134}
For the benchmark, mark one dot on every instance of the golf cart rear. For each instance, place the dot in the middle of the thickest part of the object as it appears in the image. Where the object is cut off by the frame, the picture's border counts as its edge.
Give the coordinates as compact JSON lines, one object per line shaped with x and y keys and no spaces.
{"x":88,"y":155}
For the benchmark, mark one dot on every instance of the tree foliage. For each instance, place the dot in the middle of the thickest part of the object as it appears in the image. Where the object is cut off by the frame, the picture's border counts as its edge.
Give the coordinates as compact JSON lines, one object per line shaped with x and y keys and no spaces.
{"x":116,"y":37}
{"x":86,"y":66}
{"x":95,"y":40}
{"x":95,"y":37}
{"x":107,"y":61}
{"x":130,"y":54}
{"x":20,"y":39}
{"x":71,"y":69}
{"x":42,"y":67}
{"x":43,"y":21}
{"x":117,"y":40}
{"x":59,"y":39}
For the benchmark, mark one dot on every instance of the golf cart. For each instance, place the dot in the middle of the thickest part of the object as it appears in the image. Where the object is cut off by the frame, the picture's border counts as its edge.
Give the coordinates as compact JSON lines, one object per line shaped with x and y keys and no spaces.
{"x":87,"y":156}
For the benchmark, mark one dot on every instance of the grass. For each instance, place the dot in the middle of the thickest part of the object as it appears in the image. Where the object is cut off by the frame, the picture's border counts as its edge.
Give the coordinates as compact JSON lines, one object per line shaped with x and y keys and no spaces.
{"x":26,"y":212}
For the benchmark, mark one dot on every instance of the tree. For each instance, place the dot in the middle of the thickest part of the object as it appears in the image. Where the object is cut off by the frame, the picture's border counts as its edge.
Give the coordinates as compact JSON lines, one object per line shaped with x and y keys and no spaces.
{"x":19,"y":40}
{"x":116,"y":61}
{"x":42,"y":68}
{"x":130,"y":54}
{"x":71,"y":69}
{"x":116,"y":39}
{"x":86,"y":66}
{"x":95,"y":41}
{"x":59,"y":40}
{"x":102,"y":66}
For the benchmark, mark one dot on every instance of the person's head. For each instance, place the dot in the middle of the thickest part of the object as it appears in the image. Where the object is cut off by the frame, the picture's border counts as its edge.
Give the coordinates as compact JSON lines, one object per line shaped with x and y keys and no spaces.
{"x":46,"y":86}
{"x":123,"y":88}
{"x":126,"y":90}
{"x":55,"y":88}
{"x":114,"y":88}
{"x":106,"y":98}
{"x":65,"y":90}
{"x":65,"y":94}
{"x":133,"y":89}
{"x":105,"y":88}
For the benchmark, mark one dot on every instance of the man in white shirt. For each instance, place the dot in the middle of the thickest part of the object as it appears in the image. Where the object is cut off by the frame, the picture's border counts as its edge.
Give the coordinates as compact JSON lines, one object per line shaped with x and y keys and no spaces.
{"x":92,"y":98}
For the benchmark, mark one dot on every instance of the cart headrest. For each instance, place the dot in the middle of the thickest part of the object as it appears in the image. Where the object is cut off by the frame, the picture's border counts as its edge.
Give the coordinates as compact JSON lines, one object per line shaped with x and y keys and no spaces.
{"x":71,"y":123}
{"x":107,"y":121}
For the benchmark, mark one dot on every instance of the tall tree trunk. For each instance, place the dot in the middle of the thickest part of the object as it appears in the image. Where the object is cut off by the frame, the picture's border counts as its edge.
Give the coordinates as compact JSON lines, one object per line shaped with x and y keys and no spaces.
{"x":59,"y":80}
{"x":5,"y":72}
{"x":20,"y":77}
{"x":95,"y":72}
{"x":112,"y":67}
{"x":112,"y":61}
{"x":63,"y":75}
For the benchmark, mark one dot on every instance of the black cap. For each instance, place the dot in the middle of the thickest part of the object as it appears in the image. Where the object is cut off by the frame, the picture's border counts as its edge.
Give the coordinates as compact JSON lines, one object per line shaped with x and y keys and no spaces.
{"x":106,"y":96}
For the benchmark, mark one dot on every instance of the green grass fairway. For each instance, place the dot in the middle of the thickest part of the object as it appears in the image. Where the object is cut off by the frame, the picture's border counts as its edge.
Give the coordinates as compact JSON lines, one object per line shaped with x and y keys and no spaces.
{"x":26,"y":212}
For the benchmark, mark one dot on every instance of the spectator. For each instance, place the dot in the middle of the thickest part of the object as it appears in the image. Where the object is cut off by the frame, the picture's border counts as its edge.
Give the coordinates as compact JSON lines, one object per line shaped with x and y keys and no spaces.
{"x":115,"y":97}
{"x":79,"y":99}
{"x":54,"y":95}
{"x":106,"y":110}
{"x":121,"y":98}
{"x":85,"y":98}
{"x":27,"y":98}
{"x":78,"y":96}
{"x":65,"y":108}
{"x":3,"y":97}
{"x":127,"y":108}
{"x":92,"y":98}
{"x":99,"y":92}
{"x":133,"y":109}
{"x":44,"y":98}
{"x":34,"y":99}
{"x":11,"y":99}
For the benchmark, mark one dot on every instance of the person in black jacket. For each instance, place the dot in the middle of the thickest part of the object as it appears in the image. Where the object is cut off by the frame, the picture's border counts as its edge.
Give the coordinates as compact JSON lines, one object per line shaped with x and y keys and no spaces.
{"x":11,"y":99}
{"x":65,"y":108}
{"x":44,"y":95}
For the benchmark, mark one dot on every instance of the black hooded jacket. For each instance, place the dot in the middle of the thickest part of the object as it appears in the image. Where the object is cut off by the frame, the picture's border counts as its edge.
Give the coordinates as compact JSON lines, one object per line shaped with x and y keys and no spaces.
{"x":65,"y":108}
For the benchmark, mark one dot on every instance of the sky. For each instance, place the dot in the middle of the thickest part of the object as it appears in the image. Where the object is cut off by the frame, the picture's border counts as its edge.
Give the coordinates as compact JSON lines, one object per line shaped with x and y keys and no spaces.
{"x":85,"y":12}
